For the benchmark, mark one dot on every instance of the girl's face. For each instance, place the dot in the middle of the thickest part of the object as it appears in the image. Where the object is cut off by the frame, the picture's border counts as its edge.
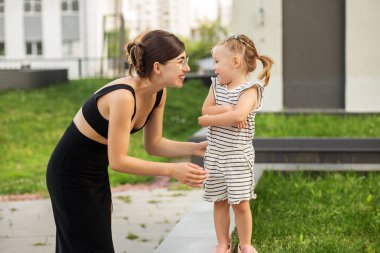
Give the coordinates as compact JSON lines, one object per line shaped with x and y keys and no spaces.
{"x":174,"y":71}
{"x":223,"y":64}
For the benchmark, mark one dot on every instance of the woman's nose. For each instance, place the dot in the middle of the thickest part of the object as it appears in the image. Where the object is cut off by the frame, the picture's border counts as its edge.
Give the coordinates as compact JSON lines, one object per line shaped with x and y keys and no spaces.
{"x":186,"y":68}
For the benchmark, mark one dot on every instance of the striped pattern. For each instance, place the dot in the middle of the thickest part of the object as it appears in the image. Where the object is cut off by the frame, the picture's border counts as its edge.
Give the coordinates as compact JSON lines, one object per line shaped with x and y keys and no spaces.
{"x":230,"y":155}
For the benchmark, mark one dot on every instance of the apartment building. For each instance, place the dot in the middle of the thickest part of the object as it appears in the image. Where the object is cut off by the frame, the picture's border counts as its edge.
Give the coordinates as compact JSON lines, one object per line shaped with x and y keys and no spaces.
{"x":69,"y":33}
{"x":52,"y":34}
{"x":326,"y":52}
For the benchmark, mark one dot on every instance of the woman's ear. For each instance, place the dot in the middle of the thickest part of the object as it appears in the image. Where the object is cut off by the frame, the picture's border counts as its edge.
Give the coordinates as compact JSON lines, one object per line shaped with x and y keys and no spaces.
{"x":156,"y":67}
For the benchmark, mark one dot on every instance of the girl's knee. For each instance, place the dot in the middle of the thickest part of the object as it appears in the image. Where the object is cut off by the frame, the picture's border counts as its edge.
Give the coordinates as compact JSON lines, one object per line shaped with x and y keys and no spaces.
{"x":243,"y":206}
{"x":223,"y":203}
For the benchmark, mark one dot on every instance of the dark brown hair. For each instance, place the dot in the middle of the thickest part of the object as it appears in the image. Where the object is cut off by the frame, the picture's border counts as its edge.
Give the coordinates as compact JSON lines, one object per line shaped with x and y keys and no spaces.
{"x":245,"y":46}
{"x":148,"y":48}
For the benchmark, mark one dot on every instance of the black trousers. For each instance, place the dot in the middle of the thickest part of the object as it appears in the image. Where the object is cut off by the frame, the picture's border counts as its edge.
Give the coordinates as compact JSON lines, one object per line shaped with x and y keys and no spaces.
{"x":78,"y":184}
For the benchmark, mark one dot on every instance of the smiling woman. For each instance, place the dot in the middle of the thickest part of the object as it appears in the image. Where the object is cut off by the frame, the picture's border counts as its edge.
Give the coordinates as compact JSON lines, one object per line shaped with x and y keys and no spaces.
{"x":99,"y":135}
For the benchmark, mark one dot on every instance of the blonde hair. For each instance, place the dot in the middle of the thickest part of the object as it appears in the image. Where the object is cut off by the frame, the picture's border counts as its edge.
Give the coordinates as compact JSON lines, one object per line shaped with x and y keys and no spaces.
{"x":243,"y":45}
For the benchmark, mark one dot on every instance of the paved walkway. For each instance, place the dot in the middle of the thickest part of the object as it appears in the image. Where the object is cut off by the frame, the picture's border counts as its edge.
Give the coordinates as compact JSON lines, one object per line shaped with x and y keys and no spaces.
{"x":141,"y":219}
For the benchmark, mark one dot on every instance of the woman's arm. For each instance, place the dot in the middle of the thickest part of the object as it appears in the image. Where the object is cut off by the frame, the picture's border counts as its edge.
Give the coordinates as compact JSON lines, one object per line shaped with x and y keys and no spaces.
{"x":156,"y":144}
{"x":246,"y":103}
{"x":209,"y":106}
{"x":121,"y":111}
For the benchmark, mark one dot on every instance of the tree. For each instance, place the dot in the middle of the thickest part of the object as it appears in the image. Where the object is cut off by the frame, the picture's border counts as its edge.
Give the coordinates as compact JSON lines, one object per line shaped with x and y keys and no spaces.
{"x":204,"y":38}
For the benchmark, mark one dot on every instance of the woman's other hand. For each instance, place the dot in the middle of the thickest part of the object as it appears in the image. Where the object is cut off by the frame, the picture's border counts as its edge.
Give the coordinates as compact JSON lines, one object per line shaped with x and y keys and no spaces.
{"x":200,"y":148}
{"x":189,"y":174}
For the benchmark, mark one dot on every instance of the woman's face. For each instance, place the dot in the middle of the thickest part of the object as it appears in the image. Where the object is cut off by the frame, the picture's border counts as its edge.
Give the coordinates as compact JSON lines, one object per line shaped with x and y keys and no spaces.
{"x":175,"y":71}
{"x":223,"y":64}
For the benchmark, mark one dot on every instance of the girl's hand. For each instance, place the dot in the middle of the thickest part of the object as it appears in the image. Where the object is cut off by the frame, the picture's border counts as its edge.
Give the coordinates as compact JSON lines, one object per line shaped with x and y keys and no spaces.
{"x":203,"y":120}
{"x":189,"y":174}
{"x":200,"y":148}
{"x":242,"y":124}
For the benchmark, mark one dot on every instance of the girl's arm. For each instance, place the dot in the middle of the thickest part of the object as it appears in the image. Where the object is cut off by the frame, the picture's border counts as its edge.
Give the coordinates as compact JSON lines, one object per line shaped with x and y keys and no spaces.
{"x":246,"y":103}
{"x":121,"y":111}
{"x":210,"y":107}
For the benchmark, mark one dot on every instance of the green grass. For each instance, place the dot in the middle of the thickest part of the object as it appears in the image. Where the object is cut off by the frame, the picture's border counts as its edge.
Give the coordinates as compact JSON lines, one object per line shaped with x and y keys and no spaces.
{"x":317,"y":125}
{"x":317,"y":212}
{"x":32,"y":121}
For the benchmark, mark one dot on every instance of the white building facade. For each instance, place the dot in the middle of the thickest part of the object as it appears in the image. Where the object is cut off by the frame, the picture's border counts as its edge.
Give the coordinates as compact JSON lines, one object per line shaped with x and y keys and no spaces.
{"x":177,"y":16}
{"x":266,"y":23}
{"x":69,"y":33}
{"x":51,"y":34}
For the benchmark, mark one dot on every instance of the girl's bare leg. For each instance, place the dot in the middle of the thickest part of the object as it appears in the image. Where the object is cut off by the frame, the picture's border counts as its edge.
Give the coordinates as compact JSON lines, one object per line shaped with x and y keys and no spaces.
{"x":243,"y":220}
{"x":222,"y":222}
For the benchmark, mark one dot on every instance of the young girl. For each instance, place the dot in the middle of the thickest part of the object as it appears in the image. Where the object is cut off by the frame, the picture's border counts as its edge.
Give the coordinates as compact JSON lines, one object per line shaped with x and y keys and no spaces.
{"x":229,"y":112}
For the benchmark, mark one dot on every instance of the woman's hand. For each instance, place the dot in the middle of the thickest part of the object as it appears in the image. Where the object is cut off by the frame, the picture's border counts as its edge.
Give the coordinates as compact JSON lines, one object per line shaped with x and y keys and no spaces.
{"x":189,"y":174}
{"x":200,"y":148}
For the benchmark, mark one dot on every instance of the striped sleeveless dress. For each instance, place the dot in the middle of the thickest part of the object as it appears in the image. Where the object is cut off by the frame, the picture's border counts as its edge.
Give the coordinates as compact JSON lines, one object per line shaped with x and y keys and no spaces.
{"x":230,"y":155}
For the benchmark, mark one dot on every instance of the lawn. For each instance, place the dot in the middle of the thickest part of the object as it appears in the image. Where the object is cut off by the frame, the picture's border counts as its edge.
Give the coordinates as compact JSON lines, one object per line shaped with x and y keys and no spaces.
{"x":32,"y":121}
{"x":317,"y":212}
{"x":317,"y":125}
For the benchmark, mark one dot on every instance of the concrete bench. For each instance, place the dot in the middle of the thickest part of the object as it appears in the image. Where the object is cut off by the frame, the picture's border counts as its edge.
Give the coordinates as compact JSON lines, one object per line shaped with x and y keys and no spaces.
{"x":30,"y":78}
{"x":309,"y":150}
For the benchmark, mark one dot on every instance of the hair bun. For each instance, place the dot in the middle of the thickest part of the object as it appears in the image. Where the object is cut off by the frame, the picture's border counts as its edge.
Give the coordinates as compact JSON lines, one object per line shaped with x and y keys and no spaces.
{"x":135,"y":54}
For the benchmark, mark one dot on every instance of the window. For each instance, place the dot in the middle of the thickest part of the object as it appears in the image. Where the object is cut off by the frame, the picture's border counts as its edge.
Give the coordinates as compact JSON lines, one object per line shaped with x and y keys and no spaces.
{"x":1,"y":7}
{"x":70,"y":48}
{"x":33,"y":47}
{"x":69,"y":6}
{"x":32,"y":6}
{"x":2,"y":48}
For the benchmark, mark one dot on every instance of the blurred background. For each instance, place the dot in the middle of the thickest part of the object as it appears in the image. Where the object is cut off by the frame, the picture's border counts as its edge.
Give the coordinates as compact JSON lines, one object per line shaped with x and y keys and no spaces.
{"x":321,"y":111}
{"x":325,"y":52}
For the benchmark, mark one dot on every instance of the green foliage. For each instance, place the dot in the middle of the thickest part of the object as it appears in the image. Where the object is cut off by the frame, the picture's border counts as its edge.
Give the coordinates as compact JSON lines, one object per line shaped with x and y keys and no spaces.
{"x":317,"y":125}
{"x":209,"y":34}
{"x":183,"y":107}
{"x":32,"y":121}
{"x":113,"y":43}
{"x":317,"y":212}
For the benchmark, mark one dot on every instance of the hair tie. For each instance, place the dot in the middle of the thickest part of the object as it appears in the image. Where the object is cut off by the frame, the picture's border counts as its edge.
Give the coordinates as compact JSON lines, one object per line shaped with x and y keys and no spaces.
{"x":132,"y":48}
{"x":134,"y":56}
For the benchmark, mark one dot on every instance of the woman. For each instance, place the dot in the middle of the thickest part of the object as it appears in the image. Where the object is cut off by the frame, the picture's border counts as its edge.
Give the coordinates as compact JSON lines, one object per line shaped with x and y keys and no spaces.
{"x":77,"y":176}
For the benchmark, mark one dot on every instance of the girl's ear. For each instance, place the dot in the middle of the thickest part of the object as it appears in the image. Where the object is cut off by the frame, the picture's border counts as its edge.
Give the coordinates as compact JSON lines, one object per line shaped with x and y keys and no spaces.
{"x":156,"y":68}
{"x":236,"y":60}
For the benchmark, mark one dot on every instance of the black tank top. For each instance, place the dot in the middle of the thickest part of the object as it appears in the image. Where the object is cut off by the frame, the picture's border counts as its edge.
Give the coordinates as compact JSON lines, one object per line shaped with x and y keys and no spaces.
{"x":95,"y":119}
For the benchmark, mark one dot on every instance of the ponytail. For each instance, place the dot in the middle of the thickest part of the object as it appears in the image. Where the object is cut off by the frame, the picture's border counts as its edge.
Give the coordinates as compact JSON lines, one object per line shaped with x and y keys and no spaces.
{"x":267,"y":65}
{"x":135,"y":53}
